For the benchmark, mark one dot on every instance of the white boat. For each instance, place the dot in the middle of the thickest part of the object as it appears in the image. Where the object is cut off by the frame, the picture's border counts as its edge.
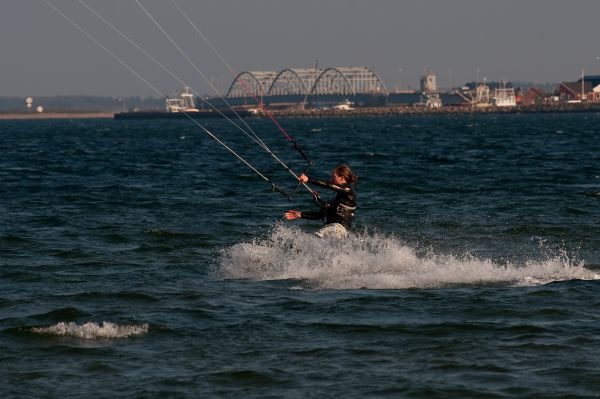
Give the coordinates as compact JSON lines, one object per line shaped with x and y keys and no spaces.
{"x":505,"y":96}
{"x":345,"y":106}
{"x":185,"y":102}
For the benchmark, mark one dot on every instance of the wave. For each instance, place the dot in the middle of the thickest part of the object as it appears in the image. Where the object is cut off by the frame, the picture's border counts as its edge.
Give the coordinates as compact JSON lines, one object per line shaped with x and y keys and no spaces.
{"x":91,"y":330}
{"x":374,"y":261}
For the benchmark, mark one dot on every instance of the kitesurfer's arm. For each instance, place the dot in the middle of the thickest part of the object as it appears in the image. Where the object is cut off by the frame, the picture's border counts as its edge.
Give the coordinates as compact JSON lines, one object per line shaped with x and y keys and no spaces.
{"x":293,"y":215}
{"x":330,"y":185}
{"x":320,"y":214}
{"x":325,"y":184}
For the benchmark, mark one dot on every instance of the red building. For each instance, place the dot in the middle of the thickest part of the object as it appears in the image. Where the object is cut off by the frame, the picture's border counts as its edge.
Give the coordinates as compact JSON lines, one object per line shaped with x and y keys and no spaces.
{"x":534,"y":96}
{"x":575,"y":91}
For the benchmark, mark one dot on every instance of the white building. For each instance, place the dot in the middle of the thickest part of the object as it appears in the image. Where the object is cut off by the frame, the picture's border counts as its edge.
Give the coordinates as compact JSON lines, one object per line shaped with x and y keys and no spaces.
{"x":428,"y":83}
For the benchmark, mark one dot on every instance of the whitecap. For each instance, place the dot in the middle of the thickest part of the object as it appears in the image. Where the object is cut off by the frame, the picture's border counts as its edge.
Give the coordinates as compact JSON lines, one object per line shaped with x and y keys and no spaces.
{"x":91,"y":330}
{"x":375,"y":261}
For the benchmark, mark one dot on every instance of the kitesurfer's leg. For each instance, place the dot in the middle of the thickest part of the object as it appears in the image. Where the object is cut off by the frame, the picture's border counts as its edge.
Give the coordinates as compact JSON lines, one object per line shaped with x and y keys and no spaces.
{"x":334,"y":230}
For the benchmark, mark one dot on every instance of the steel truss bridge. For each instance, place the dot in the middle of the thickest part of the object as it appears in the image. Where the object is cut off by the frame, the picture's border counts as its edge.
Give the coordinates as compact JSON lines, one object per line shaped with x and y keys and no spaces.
{"x":348,"y":81}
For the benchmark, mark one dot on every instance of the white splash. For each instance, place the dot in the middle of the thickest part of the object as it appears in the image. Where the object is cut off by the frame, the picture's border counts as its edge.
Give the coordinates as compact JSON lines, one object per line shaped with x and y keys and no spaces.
{"x":92,"y":330}
{"x":373,"y":261}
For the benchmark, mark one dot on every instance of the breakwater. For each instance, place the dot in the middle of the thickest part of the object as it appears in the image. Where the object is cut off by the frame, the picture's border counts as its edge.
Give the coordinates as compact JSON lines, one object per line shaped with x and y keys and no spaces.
{"x":386,"y":111}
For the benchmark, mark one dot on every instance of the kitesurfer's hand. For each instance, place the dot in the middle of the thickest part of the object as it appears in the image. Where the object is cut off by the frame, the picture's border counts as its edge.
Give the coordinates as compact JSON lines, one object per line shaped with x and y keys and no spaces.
{"x":303,"y":178}
{"x":292,"y":215}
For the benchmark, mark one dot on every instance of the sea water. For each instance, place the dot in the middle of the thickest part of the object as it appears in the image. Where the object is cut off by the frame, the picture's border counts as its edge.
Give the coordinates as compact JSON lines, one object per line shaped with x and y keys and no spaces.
{"x":141,"y":259}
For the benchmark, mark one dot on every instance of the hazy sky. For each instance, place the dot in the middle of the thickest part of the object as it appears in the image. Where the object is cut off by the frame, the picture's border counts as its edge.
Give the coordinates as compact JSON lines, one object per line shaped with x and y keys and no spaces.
{"x":459,"y":40}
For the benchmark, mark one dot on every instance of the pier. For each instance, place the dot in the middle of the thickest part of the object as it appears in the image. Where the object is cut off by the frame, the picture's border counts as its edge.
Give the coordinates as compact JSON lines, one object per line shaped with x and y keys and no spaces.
{"x":388,"y":111}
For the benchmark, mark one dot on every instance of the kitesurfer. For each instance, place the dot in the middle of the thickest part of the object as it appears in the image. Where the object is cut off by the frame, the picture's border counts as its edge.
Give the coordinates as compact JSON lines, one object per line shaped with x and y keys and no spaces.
{"x":337,"y":213}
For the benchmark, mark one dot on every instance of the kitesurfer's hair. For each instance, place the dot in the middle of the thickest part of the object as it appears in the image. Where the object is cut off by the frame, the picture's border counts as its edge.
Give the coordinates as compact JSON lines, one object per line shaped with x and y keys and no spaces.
{"x":344,"y":171}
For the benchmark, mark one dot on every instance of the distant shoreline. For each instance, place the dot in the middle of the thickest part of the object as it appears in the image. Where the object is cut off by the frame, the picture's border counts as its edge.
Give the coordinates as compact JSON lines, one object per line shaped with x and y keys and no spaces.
{"x":57,"y":115}
{"x":357,"y":112}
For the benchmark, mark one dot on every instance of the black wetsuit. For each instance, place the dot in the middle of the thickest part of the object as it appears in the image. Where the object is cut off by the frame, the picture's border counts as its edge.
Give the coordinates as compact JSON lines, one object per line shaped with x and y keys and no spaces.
{"x":340,"y":209}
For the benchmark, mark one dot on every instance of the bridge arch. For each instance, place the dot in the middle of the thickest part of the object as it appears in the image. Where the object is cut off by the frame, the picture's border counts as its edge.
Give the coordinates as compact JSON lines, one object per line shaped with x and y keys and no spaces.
{"x":331,"y":81}
{"x":348,"y":81}
{"x":288,"y":82}
{"x":251,"y":83}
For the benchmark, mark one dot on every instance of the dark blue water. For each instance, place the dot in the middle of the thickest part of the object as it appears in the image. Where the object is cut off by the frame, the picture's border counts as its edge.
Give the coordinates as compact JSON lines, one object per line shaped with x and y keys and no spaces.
{"x":140,"y":259}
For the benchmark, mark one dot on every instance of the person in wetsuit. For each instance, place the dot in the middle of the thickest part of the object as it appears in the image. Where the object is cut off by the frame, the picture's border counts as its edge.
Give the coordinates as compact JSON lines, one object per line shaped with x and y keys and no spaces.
{"x":337,"y":213}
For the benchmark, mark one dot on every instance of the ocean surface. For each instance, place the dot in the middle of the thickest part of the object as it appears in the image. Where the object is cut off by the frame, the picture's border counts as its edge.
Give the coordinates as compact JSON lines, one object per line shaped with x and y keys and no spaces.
{"x":141,"y":259}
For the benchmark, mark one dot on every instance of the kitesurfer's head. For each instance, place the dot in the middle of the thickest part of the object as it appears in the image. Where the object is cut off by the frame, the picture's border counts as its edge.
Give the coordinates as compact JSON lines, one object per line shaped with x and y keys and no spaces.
{"x":342,"y":174}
